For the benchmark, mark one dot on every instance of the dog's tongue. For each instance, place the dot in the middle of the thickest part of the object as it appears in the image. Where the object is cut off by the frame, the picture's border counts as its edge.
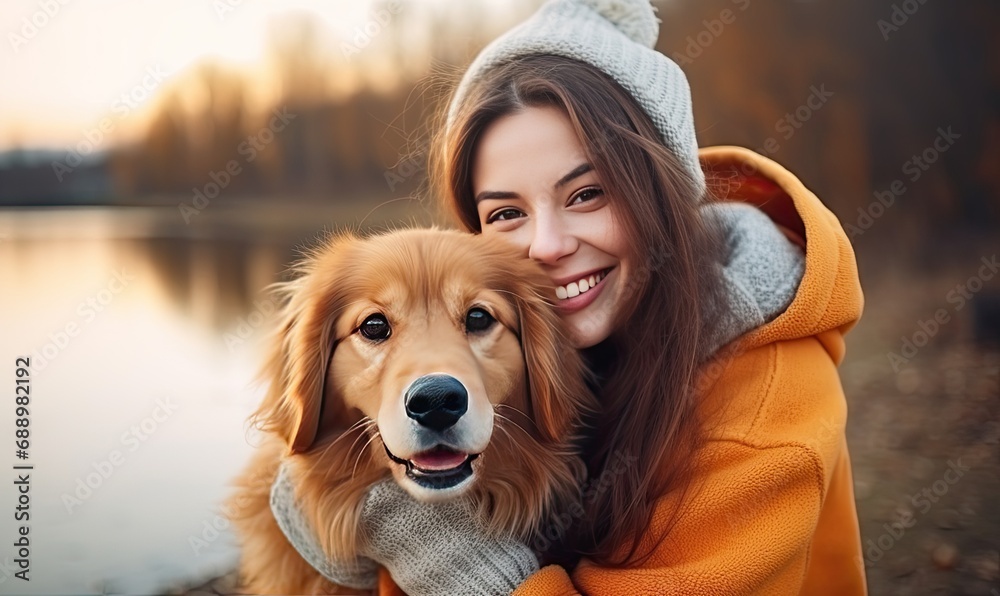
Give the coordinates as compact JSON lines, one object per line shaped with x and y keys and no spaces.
{"x":439,"y":458}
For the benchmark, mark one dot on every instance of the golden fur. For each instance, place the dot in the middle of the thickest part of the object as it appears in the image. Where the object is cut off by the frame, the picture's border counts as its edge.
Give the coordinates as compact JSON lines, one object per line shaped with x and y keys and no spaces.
{"x":321,"y":416}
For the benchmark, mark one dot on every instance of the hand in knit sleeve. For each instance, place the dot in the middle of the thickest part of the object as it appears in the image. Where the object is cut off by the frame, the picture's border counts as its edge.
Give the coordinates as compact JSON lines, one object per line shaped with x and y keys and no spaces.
{"x":428,"y":549}
{"x":440,"y":549}
{"x":360,"y":574}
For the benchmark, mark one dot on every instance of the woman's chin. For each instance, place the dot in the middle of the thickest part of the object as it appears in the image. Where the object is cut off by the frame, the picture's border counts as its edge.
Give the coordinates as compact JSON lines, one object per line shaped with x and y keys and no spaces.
{"x":586,"y":330}
{"x":592,"y":324}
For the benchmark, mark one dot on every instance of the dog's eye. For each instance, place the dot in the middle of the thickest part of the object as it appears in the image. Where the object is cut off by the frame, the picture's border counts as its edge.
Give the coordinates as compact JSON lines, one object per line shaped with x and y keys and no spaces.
{"x":375,"y":327}
{"x":478,"y":320}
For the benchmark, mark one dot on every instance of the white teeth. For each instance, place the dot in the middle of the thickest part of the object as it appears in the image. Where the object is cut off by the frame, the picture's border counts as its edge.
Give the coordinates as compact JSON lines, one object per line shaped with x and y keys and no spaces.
{"x":573,"y":289}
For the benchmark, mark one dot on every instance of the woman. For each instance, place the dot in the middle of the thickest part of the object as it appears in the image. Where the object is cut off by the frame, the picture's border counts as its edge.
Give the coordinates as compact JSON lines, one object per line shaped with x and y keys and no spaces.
{"x":714,"y":470}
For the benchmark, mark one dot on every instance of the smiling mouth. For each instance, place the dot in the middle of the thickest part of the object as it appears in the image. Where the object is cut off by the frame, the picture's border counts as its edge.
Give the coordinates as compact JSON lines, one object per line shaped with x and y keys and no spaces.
{"x":438,"y":468}
{"x":580,"y":288}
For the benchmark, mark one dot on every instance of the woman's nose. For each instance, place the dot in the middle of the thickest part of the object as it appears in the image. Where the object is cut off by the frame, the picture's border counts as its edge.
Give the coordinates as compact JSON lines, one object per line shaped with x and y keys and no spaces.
{"x":551,"y":241}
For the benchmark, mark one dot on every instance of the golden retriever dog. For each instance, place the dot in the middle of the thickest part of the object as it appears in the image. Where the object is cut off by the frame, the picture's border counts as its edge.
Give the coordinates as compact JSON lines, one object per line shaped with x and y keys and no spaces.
{"x":430,"y":356}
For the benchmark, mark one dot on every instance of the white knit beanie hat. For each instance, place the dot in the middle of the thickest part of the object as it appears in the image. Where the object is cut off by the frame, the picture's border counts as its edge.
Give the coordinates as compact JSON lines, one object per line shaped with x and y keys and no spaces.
{"x":617,"y":37}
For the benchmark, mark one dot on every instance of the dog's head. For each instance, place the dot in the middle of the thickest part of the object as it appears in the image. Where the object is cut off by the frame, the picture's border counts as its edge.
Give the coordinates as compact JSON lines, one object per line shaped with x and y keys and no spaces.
{"x":435,"y":355}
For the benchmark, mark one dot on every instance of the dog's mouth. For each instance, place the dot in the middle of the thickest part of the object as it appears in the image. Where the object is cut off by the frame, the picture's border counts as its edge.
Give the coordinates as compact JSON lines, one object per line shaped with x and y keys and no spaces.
{"x":438,"y":468}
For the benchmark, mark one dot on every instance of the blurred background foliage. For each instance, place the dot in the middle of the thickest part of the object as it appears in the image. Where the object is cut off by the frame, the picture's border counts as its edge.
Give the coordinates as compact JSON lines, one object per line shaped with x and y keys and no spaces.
{"x":361,"y":112}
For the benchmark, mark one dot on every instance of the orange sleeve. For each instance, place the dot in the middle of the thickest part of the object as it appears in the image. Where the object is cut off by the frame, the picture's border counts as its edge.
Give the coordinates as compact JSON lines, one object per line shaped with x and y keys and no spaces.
{"x":550,"y":581}
{"x":750,"y":520}
{"x":736,"y":537}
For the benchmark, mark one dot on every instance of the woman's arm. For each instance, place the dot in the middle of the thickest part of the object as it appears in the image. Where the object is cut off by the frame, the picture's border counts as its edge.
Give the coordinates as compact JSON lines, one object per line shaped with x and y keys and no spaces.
{"x":774,"y":481}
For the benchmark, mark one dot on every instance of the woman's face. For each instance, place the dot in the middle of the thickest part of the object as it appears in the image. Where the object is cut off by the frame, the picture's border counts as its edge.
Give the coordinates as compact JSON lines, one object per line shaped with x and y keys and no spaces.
{"x":535,"y":188}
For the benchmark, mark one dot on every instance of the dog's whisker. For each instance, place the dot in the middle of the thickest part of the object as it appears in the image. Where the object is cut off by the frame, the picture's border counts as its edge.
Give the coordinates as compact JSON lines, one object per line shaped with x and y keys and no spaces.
{"x":365,"y":421}
{"x":516,"y":411}
{"x":362,"y":425}
{"x":510,"y":407}
{"x":505,"y":431}
{"x":326,"y":448}
{"x":545,"y":299}
{"x":358,"y":438}
{"x":360,"y":453}
{"x":501,"y":417}
{"x":365,"y":424}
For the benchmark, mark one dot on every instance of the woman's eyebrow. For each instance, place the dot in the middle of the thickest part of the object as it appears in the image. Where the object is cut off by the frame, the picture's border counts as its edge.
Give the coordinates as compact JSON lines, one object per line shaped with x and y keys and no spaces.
{"x":495,"y":194}
{"x":578,"y":171}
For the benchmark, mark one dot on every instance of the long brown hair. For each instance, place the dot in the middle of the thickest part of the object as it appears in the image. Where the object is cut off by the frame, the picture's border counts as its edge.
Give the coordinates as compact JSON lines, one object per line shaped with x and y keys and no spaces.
{"x":641,"y":445}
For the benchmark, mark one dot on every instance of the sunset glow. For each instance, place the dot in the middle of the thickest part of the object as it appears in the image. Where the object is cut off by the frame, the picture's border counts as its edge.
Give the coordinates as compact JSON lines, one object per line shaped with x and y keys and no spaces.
{"x":62,"y":73}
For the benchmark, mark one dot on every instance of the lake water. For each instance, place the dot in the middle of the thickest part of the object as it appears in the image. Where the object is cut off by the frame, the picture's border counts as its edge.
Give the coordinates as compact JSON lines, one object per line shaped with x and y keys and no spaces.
{"x":144,"y":335}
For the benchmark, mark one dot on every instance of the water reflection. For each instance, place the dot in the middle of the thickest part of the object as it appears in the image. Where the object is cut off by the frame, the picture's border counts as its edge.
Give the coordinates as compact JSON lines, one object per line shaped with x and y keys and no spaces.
{"x":138,"y":401}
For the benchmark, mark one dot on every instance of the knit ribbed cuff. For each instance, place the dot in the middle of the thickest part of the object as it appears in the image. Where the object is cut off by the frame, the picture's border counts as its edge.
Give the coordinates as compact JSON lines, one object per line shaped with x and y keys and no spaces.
{"x":440,"y":549}
{"x":361,"y":574}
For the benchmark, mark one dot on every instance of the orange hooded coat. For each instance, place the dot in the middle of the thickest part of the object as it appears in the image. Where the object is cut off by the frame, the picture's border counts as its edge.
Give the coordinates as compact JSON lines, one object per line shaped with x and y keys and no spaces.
{"x":773,"y":511}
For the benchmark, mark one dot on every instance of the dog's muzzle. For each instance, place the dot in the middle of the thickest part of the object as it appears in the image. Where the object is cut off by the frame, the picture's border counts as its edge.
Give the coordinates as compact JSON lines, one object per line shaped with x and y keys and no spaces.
{"x":437,"y":402}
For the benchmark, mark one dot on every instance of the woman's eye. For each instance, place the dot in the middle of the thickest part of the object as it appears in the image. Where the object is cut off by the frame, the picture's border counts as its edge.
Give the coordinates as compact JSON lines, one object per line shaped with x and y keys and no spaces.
{"x":587,"y":194}
{"x":503,"y":215}
{"x":375,"y":327}
{"x":477,"y":320}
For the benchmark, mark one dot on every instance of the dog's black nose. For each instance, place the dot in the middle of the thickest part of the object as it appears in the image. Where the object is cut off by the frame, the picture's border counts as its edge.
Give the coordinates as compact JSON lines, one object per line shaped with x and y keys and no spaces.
{"x":436,"y":401}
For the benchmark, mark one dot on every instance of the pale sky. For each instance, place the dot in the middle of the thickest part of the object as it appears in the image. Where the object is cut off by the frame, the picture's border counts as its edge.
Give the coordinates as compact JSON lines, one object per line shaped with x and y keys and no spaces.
{"x":60,"y":79}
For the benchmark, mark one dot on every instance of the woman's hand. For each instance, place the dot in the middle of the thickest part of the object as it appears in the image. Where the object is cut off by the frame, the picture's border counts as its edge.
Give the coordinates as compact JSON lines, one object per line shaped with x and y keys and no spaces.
{"x":361,"y":573}
{"x":441,"y":548}
{"x":429,"y":549}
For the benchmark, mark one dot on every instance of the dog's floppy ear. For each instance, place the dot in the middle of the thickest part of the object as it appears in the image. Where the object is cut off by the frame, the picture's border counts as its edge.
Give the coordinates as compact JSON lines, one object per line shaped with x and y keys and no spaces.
{"x":559,"y":395}
{"x":301,"y":352}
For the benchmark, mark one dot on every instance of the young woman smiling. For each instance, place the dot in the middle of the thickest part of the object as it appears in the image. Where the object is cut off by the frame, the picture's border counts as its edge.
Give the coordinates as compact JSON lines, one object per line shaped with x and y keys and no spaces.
{"x":709,"y":289}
